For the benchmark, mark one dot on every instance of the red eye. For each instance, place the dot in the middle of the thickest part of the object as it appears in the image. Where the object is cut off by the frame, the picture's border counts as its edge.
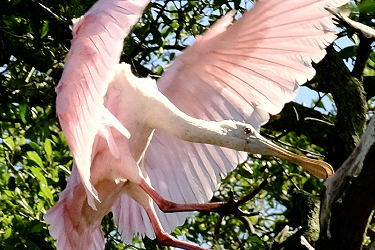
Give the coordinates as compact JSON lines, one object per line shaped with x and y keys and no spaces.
{"x":247,"y":130}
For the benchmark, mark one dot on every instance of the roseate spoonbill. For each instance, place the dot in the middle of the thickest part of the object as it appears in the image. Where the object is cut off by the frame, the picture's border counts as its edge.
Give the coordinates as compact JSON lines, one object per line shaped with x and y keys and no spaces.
{"x":136,"y":142}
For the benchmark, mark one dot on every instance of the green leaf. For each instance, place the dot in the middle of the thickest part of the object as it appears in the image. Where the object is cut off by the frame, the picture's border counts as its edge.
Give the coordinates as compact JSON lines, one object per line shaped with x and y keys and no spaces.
{"x":245,"y":173}
{"x":22,"y":201}
{"x":367,"y":6}
{"x":23,"y":111}
{"x":37,"y":227}
{"x":35,"y":147}
{"x":45,"y":29}
{"x":175,"y":24}
{"x":31,"y":155}
{"x":318,"y":103}
{"x":7,"y":233}
{"x":44,"y":188}
{"x":48,"y":148}
{"x":9,"y":143}
{"x":255,"y":240}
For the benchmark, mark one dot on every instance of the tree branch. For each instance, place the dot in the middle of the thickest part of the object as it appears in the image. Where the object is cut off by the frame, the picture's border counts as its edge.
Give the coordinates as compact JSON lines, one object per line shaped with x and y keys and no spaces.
{"x":349,"y":198}
{"x":366,"y":36}
{"x":302,"y":120}
{"x":334,"y":77}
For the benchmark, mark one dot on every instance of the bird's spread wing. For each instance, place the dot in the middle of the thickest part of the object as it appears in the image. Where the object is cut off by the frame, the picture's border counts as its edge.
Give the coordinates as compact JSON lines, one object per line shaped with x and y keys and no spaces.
{"x":96,"y":47}
{"x":243,"y":72}
{"x":255,"y":65}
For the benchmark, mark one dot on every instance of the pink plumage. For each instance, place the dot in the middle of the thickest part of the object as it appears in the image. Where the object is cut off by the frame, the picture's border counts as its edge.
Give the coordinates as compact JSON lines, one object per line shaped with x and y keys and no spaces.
{"x":96,"y":48}
{"x":241,"y":71}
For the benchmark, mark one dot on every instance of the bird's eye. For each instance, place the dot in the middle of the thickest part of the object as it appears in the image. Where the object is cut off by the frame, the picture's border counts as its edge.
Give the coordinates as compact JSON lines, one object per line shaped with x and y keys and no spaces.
{"x":247,"y":130}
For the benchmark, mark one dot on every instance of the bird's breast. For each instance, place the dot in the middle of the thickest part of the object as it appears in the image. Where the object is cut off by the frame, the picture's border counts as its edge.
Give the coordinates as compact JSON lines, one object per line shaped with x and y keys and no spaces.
{"x":125,"y":100}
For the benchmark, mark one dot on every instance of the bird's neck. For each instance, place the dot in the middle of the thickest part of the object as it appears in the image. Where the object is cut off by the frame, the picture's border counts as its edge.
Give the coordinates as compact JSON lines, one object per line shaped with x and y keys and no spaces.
{"x":208,"y":132}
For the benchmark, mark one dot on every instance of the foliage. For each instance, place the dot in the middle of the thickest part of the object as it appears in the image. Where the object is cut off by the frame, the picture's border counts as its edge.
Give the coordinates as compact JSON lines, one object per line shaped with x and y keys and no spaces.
{"x":35,"y":160}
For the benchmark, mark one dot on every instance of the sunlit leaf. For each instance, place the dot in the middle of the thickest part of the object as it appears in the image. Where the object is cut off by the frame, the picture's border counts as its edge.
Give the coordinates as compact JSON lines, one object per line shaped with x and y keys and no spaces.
{"x":48,"y":148}
{"x":9,"y":143}
{"x":22,"y":201}
{"x":7,"y":233}
{"x":44,"y":188}
{"x":35,"y":158}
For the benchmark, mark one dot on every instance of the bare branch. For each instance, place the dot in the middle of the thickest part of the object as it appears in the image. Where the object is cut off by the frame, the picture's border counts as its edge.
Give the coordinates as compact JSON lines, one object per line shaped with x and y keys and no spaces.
{"x":349,"y":200}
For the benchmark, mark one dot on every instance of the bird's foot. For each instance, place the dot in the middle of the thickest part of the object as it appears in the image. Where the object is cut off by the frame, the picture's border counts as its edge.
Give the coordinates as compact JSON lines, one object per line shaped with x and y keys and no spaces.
{"x":232,"y":207}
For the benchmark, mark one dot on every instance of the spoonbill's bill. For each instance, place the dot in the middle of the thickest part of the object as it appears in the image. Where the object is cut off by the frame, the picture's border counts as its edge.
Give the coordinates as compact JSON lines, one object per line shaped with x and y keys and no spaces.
{"x":137,"y":142}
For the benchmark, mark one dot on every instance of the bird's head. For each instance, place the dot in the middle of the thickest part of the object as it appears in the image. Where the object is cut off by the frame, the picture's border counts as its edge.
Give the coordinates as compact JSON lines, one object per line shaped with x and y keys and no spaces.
{"x":245,"y":137}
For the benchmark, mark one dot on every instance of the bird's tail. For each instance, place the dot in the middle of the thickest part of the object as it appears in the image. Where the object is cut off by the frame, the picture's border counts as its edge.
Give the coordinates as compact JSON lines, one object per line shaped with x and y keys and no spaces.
{"x":69,"y":227}
{"x":131,"y":219}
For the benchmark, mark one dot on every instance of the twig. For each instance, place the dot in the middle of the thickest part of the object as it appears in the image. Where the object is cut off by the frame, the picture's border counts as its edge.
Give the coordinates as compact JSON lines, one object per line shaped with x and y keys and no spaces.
{"x":287,"y":175}
{"x":319,"y":120}
{"x":367,"y":31}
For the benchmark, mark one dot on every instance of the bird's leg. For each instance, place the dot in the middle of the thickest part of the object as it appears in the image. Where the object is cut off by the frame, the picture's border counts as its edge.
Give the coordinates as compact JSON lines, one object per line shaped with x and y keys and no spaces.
{"x":164,"y":238}
{"x":169,"y":206}
{"x":224,"y":208}
{"x":231,"y":207}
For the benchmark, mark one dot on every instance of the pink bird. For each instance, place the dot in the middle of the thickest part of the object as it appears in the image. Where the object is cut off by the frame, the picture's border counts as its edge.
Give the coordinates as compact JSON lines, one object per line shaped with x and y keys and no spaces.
{"x":142,"y":148}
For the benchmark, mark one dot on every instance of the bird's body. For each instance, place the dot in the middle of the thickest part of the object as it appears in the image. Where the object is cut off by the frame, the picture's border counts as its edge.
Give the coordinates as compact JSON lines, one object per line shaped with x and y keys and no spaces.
{"x":133,"y":139}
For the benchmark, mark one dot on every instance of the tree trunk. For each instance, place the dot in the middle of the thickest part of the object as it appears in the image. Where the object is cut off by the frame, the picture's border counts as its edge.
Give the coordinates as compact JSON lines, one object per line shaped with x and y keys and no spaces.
{"x":349,"y":198}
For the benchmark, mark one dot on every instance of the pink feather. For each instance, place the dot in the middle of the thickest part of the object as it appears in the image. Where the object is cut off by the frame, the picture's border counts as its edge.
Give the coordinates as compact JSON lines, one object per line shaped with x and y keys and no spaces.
{"x":96,"y":48}
{"x":241,"y":71}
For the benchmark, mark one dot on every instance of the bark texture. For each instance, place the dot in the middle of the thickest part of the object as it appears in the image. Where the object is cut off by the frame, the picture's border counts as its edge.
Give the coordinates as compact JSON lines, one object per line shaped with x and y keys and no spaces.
{"x":349,"y":198}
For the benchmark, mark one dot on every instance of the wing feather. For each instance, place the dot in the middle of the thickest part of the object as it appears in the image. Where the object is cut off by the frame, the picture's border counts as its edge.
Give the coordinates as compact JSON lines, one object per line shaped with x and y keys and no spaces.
{"x":275,"y":41}
{"x":96,"y":47}
{"x":242,"y":71}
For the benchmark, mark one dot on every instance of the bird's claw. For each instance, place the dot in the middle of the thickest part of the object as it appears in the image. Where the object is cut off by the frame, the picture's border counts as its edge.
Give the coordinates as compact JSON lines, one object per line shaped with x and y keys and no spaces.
{"x":232,"y":207}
